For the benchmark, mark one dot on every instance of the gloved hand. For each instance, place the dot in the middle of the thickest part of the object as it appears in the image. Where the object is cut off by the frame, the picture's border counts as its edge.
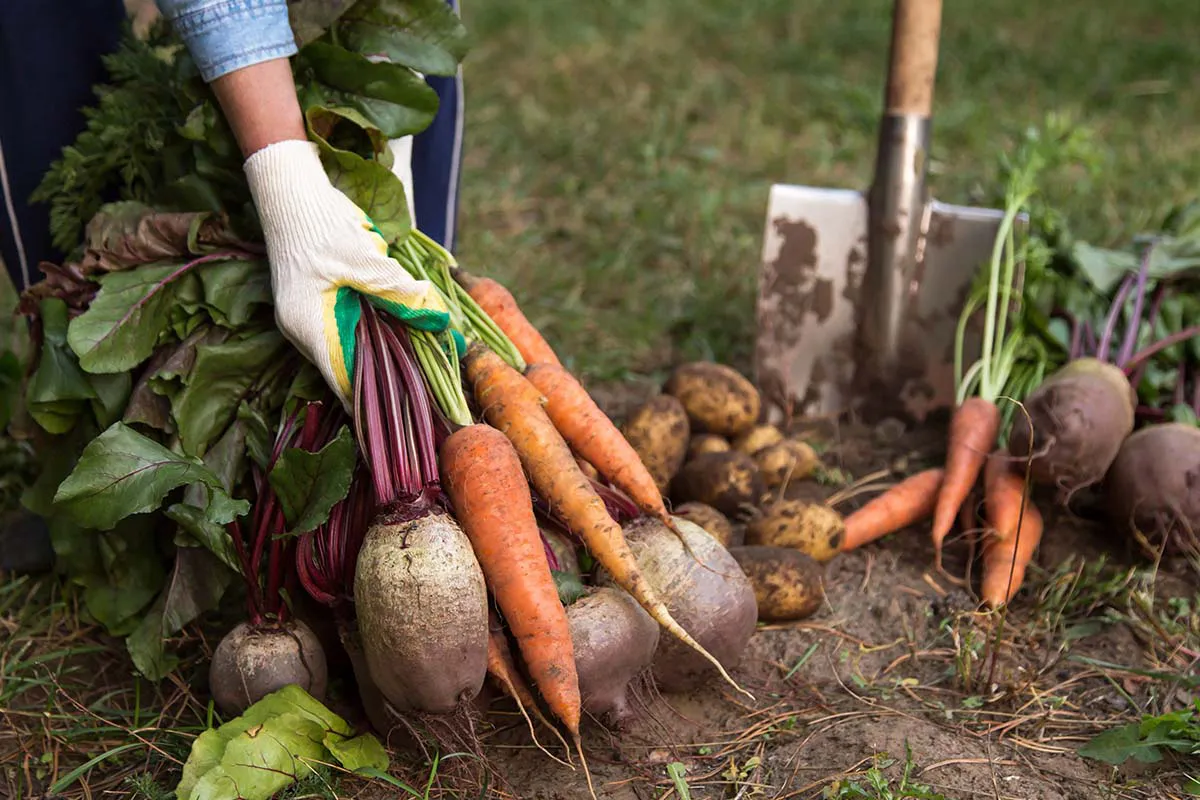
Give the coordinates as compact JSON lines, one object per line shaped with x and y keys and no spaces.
{"x":323,"y":250}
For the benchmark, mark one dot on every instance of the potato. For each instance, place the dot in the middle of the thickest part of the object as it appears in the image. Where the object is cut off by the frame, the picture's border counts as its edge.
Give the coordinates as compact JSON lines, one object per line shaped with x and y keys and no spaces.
{"x":787,"y":583}
{"x":786,"y":460}
{"x":717,"y":398}
{"x":757,"y":438}
{"x":658,"y":430}
{"x":812,"y":528}
{"x":726,"y":481}
{"x":706,"y":443}
{"x":714,"y":523}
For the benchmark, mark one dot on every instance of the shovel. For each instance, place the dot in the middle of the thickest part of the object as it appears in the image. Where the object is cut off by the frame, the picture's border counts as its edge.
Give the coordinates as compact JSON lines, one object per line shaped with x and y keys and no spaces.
{"x":859,"y":294}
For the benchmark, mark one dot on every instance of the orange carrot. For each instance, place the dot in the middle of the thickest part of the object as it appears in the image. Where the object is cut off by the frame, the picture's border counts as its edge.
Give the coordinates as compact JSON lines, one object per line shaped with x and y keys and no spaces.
{"x":504,"y":396}
{"x":909,"y":501}
{"x":973,"y":431}
{"x":499,"y":304}
{"x":592,"y":435}
{"x":1014,"y":531}
{"x":503,"y":669}
{"x":482,"y":475}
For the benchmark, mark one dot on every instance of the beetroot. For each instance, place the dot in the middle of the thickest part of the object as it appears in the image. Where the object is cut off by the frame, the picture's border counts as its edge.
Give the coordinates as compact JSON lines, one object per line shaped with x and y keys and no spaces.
{"x":1152,"y":490}
{"x":614,"y":641}
{"x":254,"y":660}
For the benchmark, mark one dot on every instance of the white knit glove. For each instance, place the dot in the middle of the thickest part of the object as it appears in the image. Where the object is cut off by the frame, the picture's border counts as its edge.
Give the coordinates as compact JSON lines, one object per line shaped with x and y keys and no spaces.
{"x":323,"y":250}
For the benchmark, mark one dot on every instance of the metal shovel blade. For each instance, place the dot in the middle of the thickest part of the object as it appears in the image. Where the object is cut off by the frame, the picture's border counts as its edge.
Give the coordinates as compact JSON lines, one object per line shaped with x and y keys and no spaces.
{"x":807,"y":350}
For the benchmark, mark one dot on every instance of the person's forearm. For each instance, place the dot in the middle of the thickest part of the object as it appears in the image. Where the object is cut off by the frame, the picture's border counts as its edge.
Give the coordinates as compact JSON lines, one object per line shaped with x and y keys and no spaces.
{"x":260,"y":104}
{"x":241,"y":48}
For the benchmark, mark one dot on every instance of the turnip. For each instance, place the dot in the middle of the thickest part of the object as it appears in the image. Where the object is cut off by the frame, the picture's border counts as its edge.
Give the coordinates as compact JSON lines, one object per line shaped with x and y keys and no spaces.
{"x":705,"y":590}
{"x":614,"y":642}
{"x":1153,"y":487}
{"x":1079,"y":416}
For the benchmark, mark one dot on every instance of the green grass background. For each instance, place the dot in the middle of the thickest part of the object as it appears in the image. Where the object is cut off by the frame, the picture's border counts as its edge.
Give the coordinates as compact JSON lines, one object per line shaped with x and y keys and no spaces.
{"x":619,"y":153}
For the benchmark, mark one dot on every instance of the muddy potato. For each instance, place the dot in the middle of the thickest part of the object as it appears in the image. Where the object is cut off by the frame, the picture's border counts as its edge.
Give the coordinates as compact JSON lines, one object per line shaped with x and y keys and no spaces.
{"x":658,"y":430}
{"x":718,"y":399}
{"x":812,"y":528}
{"x":726,"y":481}
{"x":757,"y":438}
{"x":714,"y":523}
{"x":787,"y":583}
{"x":703,"y":443}
{"x":788,"y":460}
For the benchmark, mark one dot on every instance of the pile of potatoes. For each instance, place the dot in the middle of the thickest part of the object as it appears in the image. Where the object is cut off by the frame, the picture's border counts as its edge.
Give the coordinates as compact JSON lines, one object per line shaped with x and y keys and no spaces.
{"x":704,"y":443}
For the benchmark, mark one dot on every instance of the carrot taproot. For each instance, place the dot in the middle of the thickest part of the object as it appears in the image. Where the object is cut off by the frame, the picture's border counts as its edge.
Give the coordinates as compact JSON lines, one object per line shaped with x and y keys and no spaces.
{"x":909,"y":501}
{"x":503,"y":669}
{"x":503,"y":394}
{"x":591,"y":434}
{"x":499,"y":304}
{"x":973,"y":431}
{"x":484,"y":480}
{"x":1014,"y":532}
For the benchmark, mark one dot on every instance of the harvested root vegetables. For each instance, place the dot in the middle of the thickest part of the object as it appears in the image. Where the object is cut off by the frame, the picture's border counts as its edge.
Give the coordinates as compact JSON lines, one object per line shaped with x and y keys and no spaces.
{"x":786,"y":461}
{"x":713,"y":522}
{"x":973,"y":431}
{"x":1014,"y":532}
{"x":615,"y":641}
{"x":908,"y":502}
{"x":252,"y":661}
{"x":427,"y":656}
{"x":1152,"y":490}
{"x":271,"y":650}
{"x":717,"y":398}
{"x":757,"y":438}
{"x":512,"y":405}
{"x":705,"y":590}
{"x":787,"y":583}
{"x":703,"y":443}
{"x":487,"y":488}
{"x":812,"y":528}
{"x":729,"y":482}
{"x":503,"y":670}
{"x":658,"y":431}
{"x":590,"y":433}
{"x":498,"y":303}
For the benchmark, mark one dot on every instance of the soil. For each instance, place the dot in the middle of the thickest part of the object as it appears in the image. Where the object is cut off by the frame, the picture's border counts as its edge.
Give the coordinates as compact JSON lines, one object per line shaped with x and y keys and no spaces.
{"x":897,"y":668}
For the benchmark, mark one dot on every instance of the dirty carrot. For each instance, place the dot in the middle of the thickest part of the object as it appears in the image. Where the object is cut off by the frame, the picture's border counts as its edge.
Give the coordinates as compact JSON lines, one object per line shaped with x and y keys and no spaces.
{"x":909,"y":501}
{"x":483,"y":477}
{"x":503,"y":669}
{"x":504,"y":395}
{"x":499,"y":304}
{"x":591,"y":434}
{"x":1014,"y":531}
{"x":973,"y":431}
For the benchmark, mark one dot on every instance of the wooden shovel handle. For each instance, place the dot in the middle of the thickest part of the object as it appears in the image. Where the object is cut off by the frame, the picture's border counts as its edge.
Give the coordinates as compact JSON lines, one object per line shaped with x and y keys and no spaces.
{"x":916,"y":25}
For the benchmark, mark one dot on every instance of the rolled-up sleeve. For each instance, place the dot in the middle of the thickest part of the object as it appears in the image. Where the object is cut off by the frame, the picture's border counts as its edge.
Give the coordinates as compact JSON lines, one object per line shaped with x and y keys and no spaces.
{"x":226,"y":35}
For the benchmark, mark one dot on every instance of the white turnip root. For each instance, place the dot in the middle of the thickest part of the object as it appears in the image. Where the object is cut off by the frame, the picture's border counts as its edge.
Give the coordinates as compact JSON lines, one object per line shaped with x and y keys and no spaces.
{"x":1080,"y":415}
{"x":614,"y":642}
{"x":421,"y":603}
{"x":1153,"y":487}
{"x":254,"y":660}
{"x":705,"y":590}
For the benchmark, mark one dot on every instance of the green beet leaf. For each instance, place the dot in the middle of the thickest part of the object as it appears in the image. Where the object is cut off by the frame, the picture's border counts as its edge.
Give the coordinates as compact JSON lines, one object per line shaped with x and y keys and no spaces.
{"x":309,"y":484}
{"x":233,"y":290}
{"x":423,"y":34}
{"x":120,"y":571}
{"x":121,"y":473}
{"x":277,"y":740}
{"x":372,"y":186}
{"x":132,"y":309}
{"x":59,"y":390}
{"x":222,"y":377}
{"x":197,"y":583}
{"x":391,"y":96}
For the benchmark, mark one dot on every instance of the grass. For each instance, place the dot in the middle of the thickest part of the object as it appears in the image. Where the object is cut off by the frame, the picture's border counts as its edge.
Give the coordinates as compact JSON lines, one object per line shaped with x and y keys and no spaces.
{"x":619,"y":154}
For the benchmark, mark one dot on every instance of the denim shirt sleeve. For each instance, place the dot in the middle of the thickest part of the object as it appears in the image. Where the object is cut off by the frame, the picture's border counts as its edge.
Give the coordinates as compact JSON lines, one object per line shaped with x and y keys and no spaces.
{"x":226,"y":35}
